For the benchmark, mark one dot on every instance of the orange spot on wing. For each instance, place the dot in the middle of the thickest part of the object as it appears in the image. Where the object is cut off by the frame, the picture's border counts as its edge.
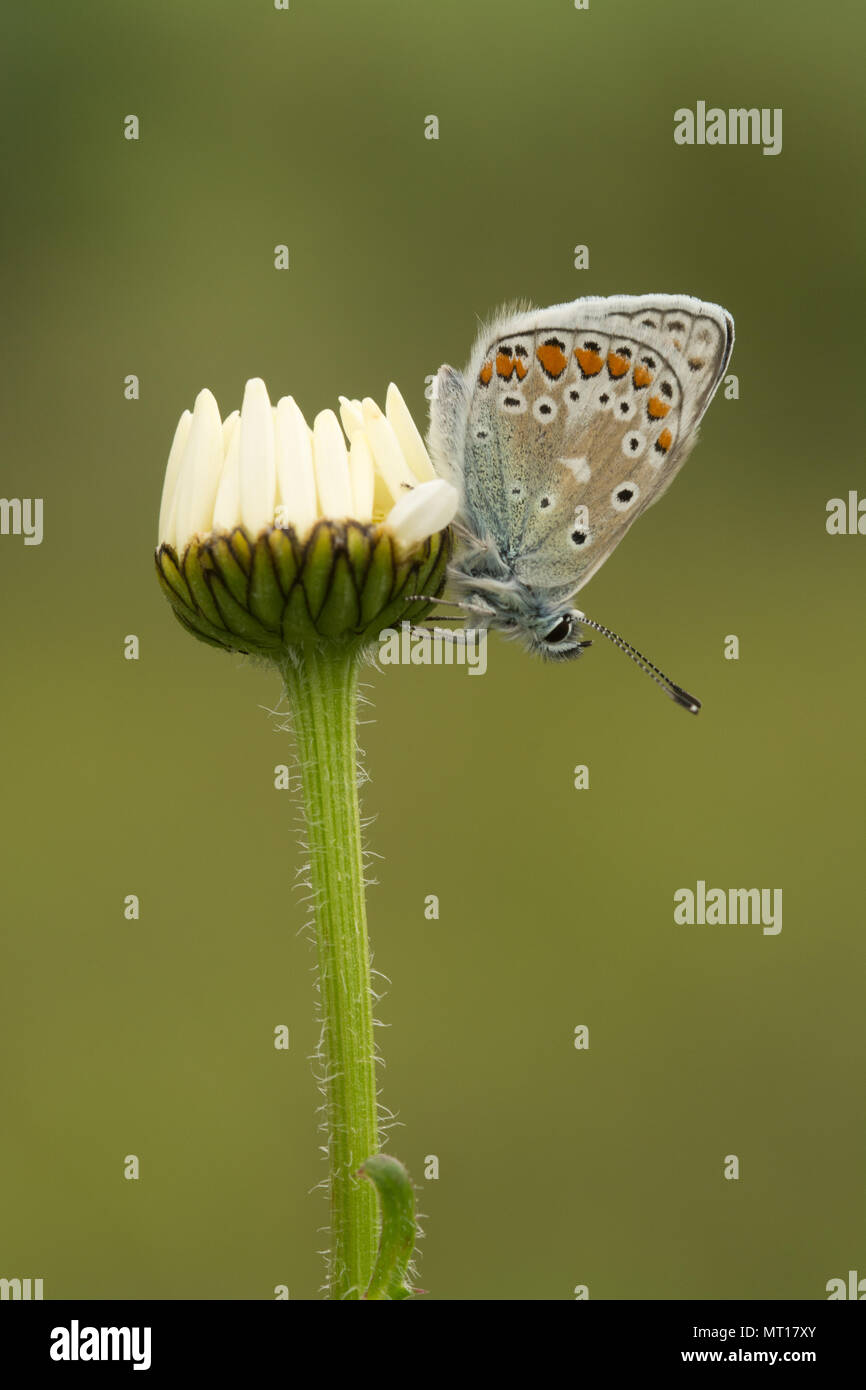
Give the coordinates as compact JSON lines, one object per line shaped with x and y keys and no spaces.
{"x":589,"y":362}
{"x":657,"y":409}
{"x":664,"y":441}
{"x":486,"y":373}
{"x":520,"y":367}
{"x":504,"y":365}
{"x":642,"y":377}
{"x":552,"y":359}
{"x":616,"y":365}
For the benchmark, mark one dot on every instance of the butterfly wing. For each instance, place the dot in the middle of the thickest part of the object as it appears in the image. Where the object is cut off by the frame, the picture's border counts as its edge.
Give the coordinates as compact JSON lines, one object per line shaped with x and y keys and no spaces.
{"x":570,"y":421}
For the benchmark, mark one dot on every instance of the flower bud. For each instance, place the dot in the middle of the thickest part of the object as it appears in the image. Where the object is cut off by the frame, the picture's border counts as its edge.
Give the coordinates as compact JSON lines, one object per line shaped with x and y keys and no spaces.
{"x":272,"y":535}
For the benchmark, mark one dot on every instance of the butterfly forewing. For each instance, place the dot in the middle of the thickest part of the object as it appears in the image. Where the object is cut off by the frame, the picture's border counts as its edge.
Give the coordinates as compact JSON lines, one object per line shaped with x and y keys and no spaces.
{"x":576,"y":419}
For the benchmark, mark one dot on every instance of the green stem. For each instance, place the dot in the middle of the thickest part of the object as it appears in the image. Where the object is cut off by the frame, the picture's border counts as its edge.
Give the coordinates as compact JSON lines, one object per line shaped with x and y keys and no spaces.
{"x":321,"y":685}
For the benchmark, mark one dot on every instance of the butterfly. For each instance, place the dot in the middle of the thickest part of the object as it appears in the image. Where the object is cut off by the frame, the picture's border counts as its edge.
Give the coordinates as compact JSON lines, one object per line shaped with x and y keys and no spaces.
{"x":566,"y":425}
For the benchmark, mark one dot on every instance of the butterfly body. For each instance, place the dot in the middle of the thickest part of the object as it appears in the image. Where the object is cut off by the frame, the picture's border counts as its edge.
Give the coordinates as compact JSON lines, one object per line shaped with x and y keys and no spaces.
{"x":566,"y":425}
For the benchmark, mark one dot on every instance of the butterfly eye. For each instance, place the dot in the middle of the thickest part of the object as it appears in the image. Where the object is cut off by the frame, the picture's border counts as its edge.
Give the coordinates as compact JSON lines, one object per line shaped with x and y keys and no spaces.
{"x":561,"y":632}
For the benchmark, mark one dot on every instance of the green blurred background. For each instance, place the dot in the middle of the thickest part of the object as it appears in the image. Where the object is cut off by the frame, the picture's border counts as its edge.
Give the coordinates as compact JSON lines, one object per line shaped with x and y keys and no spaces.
{"x":155,"y":777}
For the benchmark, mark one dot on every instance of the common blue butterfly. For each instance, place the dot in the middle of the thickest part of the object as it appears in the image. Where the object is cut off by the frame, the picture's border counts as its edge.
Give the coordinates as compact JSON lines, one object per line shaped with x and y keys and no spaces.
{"x":566,"y":425}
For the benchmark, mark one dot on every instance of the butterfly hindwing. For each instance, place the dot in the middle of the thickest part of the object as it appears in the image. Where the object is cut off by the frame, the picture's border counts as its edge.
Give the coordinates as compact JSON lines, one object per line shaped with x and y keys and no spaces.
{"x":571,"y":421}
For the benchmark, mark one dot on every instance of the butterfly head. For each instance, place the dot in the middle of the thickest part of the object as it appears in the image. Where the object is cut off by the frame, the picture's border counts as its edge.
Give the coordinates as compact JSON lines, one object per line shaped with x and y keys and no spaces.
{"x":545,"y":628}
{"x":555,"y":636}
{"x":552,"y":635}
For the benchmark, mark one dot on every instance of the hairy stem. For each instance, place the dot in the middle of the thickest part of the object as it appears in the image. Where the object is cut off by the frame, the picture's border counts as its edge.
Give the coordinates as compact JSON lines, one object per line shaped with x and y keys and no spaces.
{"x":321,"y":685}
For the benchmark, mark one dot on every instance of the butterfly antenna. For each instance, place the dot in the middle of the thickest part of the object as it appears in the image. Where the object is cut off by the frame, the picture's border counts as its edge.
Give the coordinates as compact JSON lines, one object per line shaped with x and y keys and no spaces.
{"x":676,"y":692}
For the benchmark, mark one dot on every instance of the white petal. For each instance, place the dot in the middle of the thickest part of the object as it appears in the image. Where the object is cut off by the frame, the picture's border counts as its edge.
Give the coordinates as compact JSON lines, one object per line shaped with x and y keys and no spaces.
{"x":230,"y":424}
{"x":386,"y":450}
{"x":167,"y":508}
{"x":200,"y":471}
{"x":258,"y":473}
{"x":427,"y":508}
{"x":362,"y":474}
{"x":409,"y":439}
{"x":297,"y":503}
{"x":332,"y":466}
{"x":227,"y":507}
{"x":351,"y":416}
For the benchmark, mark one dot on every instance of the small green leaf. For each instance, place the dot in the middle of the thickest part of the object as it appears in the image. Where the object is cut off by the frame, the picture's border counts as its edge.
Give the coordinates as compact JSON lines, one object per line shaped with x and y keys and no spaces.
{"x":225,"y":563}
{"x":266,"y":600}
{"x":340,"y":611}
{"x":171,"y":580}
{"x":242,"y":545}
{"x":359,"y":550}
{"x":379,"y":581}
{"x":240,"y":621}
{"x":201,"y":629}
{"x":317,"y":567}
{"x":197,"y":563}
{"x":397,"y":1235}
{"x":285,"y":559}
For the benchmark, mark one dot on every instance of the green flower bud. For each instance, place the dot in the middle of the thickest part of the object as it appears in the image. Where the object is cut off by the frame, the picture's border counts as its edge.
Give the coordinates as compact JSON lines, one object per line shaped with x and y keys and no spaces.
{"x":345,"y":580}
{"x":272,"y":535}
